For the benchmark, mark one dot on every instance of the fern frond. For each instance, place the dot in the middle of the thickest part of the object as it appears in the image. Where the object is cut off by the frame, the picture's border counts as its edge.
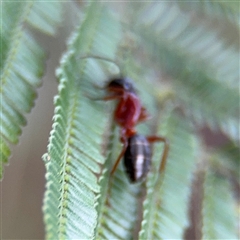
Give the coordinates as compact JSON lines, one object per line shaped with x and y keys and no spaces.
{"x":76,"y":141}
{"x":215,"y":9}
{"x":165,"y":209}
{"x":205,"y":74}
{"x":45,"y":16}
{"x":21,"y":65}
{"x":219,"y":217}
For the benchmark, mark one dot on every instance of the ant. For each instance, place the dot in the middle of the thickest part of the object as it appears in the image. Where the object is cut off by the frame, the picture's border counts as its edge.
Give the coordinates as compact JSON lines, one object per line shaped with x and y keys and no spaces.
{"x":129,"y":112}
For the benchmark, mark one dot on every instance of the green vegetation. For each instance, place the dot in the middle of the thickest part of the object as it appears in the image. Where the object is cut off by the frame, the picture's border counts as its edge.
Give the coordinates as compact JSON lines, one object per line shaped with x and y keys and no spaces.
{"x":184,"y":61}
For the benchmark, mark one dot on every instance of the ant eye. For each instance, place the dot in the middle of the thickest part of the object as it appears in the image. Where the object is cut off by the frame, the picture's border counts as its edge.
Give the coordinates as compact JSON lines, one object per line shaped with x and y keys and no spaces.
{"x":128,"y":86}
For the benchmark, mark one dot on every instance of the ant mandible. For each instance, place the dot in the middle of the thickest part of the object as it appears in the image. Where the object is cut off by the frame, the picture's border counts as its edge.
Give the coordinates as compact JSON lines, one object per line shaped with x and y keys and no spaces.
{"x":129,"y":112}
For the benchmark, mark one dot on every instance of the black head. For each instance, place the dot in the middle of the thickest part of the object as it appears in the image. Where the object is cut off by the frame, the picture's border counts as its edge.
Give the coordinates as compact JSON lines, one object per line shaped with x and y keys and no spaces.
{"x":124,"y":84}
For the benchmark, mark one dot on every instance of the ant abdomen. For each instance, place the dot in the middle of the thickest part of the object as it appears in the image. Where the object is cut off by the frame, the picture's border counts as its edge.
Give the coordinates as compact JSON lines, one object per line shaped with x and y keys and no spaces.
{"x":137,"y":158}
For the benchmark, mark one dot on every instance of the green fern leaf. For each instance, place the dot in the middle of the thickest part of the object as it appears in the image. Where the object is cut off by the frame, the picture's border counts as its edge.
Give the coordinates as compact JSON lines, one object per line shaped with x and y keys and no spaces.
{"x":165,"y":209}
{"x":75,"y":148}
{"x":82,"y":200}
{"x":219,"y":217}
{"x":21,"y":65}
{"x":204,"y":72}
{"x":44,"y":16}
{"x":215,"y":9}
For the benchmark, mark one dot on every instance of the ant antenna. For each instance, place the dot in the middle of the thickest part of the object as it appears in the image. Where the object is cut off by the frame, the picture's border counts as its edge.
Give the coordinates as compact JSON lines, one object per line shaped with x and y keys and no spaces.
{"x":103,"y":58}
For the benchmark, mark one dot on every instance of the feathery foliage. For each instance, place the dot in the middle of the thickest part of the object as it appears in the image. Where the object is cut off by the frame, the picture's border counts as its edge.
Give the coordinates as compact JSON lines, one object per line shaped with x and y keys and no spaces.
{"x":164,"y":215}
{"x":205,"y":72}
{"x":186,"y":73}
{"x":90,"y":205}
{"x":222,"y":11}
{"x":75,"y":148}
{"x":219,"y":217}
{"x":22,"y":62}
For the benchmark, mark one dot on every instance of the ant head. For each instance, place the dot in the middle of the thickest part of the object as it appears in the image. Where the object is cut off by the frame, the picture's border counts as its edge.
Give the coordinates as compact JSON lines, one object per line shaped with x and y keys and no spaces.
{"x":120,"y":85}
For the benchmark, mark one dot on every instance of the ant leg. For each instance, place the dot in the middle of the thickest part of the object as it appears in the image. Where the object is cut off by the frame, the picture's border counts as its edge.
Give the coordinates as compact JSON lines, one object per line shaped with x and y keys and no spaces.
{"x":144,"y":115}
{"x":125,"y":144}
{"x":152,"y":139}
